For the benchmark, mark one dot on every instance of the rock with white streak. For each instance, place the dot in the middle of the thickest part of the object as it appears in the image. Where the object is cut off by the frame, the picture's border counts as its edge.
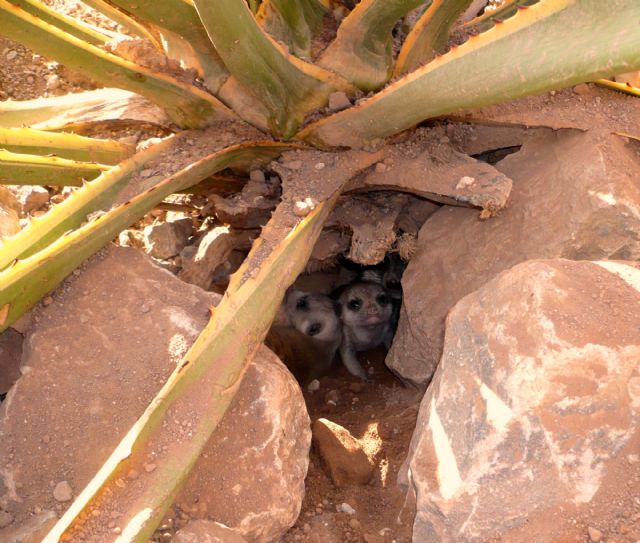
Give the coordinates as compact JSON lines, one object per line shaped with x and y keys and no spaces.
{"x":207,"y":531}
{"x":574,"y":196}
{"x":534,"y":408}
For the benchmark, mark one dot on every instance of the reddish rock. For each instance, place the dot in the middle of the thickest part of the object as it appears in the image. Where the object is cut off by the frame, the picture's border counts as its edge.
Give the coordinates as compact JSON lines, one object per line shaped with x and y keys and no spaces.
{"x":534,"y":408}
{"x":574,"y":196}
{"x":341,"y":453}
{"x":96,"y":358}
{"x":207,"y":531}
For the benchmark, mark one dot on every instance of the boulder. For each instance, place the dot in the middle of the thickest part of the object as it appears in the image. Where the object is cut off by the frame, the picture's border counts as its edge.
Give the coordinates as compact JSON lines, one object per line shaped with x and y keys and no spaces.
{"x":529,"y":430}
{"x":97,"y":354}
{"x":167,"y":239}
{"x":574,"y":195}
{"x":31,"y":197}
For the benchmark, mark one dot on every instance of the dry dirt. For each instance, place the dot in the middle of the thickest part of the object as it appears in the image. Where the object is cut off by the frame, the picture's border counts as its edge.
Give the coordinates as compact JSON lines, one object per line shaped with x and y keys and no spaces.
{"x":382,"y":412}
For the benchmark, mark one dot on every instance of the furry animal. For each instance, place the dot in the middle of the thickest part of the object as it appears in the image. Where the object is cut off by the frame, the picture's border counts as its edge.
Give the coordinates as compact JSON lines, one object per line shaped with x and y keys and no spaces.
{"x":309,"y":343}
{"x":366,"y":311}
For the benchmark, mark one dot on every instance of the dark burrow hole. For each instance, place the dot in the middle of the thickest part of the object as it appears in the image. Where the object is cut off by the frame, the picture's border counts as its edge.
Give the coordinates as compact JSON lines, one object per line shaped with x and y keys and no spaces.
{"x":339,"y":322}
{"x":494,"y":156}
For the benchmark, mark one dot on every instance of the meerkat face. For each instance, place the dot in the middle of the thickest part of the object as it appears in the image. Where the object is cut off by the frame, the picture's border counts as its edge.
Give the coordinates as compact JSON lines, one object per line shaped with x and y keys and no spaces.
{"x":315,"y":315}
{"x":366,"y":305}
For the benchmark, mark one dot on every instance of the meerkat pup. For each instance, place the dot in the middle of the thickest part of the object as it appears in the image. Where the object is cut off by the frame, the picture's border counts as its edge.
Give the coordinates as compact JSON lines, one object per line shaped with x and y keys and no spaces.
{"x":366,"y":312}
{"x":309,"y":343}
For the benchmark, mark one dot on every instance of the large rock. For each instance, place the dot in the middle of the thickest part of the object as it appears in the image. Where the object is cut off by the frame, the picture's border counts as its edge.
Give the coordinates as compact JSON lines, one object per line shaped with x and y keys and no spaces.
{"x":574,"y":196}
{"x":95,"y":357}
{"x":529,"y":430}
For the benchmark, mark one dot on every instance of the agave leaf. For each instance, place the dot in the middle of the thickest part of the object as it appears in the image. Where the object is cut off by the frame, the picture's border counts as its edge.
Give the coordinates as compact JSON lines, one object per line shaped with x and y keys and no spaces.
{"x":288,"y":87}
{"x":430,"y":36}
{"x":615,"y":85}
{"x":187,"y":105}
{"x":123,"y":19}
{"x":40,"y":142}
{"x":210,"y":373}
{"x":293,"y":22}
{"x":21,"y":169}
{"x":489,"y":18}
{"x":362,"y":50}
{"x":67,"y":24}
{"x":527,"y":54}
{"x":26,"y":281}
{"x":69,"y":214}
{"x":181,"y":18}
{"x":70,"y":111}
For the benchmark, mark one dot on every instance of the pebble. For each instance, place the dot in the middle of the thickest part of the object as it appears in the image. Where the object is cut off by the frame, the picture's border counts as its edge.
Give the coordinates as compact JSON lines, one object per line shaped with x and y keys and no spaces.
{"x":257,"y":175}
{"x":354,"y":523}
{"x":595,"y":535}
{"x":338,"y":101}
{"x":293,"y":164}
{"x":313,"y":385}
{"x":5,"y":519}
{"x":304,"y":207}
{"x":332,"y":397}
{"x":149,"y":467}
{"x":11,"y":55}
{"x":62,"y":492}
{"x":319,"y":166}
{"x":346,"y":508}
{"x":47,"y":301}
{"x":381,"y":167}
{"x":633,"y":458}
{"x":582,"y":89}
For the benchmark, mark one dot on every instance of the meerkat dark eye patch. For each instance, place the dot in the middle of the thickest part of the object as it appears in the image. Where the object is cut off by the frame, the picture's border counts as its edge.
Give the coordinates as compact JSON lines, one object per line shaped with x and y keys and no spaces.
{"x":355,"y":304}
{"x":314,"y":329}
{"x":383,"y":299}
{"x":302,"y":304}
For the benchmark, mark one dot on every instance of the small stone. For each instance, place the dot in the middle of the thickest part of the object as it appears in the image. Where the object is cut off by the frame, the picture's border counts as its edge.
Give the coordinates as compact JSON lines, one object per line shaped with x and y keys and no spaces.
{"x":5,"y":519}
{"x":48,"y":300}
{"x":633,"y":458}
{"x":354,"y":523}
{"x":338,"y":101}
{"x":465,"y":182}
{"x":319,"y":166}
{"x":62,"y":492}
{"x":133,"y":474}
{"x":582,"y":89}
{"x":144,"y":308}
{"x":46,"y":439}
{"x":11,"y":55}
{"x":304,"y":207}
{"x":381,"y":167}
{"x":332,"y":397}
{"x":84,"y":319}
{"x":346,"y":508}
{"x":307,"y":527}
{"x":257,"y":175}
{"x":293,"y":164}
{"x":595,"y":535}
{"x":149,"y":467}
{"x":313,"y":385}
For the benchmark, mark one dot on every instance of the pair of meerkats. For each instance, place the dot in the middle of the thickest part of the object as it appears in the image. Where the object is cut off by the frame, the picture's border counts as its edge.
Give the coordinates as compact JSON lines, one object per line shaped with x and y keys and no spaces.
{"x":357,"y":317}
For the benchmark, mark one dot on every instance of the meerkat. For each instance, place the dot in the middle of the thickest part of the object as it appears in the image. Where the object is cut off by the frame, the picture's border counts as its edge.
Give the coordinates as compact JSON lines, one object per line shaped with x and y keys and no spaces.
{"x":308,"y":344}
{"x":366,"y":312}
{"x":389,"y":275}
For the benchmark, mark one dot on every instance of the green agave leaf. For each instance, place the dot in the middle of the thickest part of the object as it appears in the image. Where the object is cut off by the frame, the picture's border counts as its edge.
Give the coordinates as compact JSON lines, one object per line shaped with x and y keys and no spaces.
{"x":288,"y":87}
{"x":26,"y":281}
{"x":40,"y":142}
{"x":293,"y":22}
{"x":362,"y":51}
{"x":550,"y":45}
{"x":21,"y":169}
{"x":72,"y":212}
{"x":67,"y":24}
{"x":430,"y":36}
{"x":187,"y":105}
{"x":211,"y":372}
{"x":181,"y":18}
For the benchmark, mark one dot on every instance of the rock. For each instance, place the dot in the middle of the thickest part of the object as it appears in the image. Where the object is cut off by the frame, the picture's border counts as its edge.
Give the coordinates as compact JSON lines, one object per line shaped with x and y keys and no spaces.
{"x":199,"y":265}
{"x":338,"y":101}
{"x":582,"y":89}
{"x":346,"y":508}
{"x":341,"y":453}
{"x":575,"y":195}
{"x":62,"y":492}
{"x":9,"y":213}
{"x":251,"y":475}
{"x":78,"y":394}
{"x":167,"y":239}
{"x":206,"y":531}
{"x":595,"y":535}
{"x":31,"y":197}
{"x":10,"y":357}
{"x":534,"y":407}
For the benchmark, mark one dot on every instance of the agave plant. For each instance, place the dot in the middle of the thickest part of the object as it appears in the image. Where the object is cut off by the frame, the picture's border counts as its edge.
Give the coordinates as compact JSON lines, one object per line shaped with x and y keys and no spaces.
{"x":255,"y":62}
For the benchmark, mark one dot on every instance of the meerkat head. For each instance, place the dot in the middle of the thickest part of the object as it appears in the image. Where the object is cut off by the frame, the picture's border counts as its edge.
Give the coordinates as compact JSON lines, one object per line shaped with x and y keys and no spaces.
{"x":315,"y":315}
{"x":365,"y":305}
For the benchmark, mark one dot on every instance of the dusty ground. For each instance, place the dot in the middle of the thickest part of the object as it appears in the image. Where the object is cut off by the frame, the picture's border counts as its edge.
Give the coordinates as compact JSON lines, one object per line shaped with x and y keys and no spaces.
{"x":382,"y":413}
